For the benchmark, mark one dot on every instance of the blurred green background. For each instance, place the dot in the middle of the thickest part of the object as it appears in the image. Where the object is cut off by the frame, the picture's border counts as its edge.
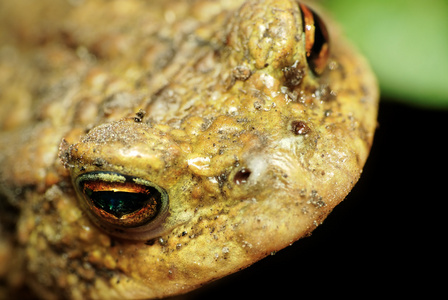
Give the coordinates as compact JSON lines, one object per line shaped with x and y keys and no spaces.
{"x":406,"y":42}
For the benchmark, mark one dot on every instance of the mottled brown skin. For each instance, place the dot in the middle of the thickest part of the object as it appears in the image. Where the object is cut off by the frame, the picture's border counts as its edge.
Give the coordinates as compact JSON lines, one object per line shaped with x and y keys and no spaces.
{"x":253,"y":149}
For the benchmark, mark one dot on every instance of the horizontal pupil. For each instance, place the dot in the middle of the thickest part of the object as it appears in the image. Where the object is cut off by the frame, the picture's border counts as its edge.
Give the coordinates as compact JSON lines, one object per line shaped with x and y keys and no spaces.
{"x":121,"y":203}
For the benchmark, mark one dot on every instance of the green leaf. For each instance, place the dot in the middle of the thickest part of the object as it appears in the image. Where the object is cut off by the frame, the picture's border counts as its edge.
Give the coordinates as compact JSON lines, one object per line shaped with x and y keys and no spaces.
{"x":406,"y":42}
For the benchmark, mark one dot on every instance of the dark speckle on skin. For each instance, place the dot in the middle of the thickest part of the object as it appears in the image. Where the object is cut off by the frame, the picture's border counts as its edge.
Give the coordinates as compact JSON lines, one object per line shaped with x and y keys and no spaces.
{"x":299,"y":128}
{"x":139,"y":116}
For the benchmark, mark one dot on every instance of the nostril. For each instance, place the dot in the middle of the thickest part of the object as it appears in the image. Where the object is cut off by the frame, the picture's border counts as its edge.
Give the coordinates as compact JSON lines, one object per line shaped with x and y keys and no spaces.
{"x":242,"y":176}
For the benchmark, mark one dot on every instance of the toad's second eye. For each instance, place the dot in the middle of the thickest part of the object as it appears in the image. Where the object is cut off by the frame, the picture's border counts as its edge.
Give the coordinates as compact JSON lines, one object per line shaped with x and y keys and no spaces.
{"x":316,"y":40}
{"x":121,"y":202}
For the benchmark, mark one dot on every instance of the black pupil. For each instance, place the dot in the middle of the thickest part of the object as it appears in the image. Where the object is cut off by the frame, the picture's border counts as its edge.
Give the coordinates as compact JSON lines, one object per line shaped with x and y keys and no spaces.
{"x":122,"y":203}
{"x":319,"y":39}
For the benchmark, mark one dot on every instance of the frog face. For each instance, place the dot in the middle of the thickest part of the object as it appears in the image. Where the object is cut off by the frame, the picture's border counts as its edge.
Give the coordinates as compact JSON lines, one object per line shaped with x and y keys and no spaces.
{"x":138,"y":208}
{"x":193,"y":145}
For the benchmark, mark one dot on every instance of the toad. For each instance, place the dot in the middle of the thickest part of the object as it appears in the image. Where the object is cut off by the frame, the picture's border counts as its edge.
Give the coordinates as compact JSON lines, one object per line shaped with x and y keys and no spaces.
{"x":150,"y":147}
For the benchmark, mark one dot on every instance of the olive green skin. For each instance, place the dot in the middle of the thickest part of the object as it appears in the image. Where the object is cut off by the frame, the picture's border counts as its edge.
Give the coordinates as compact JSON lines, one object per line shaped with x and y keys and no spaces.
{"x":253,"y":149}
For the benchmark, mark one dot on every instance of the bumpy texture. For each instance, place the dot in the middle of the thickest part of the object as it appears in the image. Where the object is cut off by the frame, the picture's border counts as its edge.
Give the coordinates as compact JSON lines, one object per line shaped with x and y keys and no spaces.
{"x":253,"y":149}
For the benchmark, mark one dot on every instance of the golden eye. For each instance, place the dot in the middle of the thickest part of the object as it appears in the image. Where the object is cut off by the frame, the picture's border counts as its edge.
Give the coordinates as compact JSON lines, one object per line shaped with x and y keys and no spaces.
{"x":316,"y":40}
{"x":123,"y":204}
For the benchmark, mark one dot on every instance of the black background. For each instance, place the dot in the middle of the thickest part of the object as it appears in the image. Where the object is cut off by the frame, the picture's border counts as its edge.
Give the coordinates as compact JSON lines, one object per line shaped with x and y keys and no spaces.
{"x":387,"y":238}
